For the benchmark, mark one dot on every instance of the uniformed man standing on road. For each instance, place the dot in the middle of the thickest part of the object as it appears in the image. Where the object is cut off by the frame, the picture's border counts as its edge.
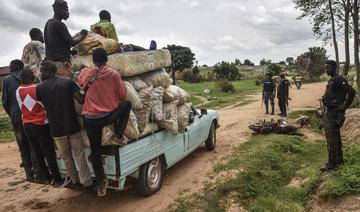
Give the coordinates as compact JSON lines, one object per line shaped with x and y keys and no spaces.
{"x":337,"y":98}
{"x":283,"y":94}
{"x":269,"y":90}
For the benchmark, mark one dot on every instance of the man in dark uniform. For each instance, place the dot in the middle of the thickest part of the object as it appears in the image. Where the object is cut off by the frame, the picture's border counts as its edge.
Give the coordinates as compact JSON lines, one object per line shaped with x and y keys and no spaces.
{"x":283,"y":94}
{"x":337,"y":98}
{"x":269,"y":90}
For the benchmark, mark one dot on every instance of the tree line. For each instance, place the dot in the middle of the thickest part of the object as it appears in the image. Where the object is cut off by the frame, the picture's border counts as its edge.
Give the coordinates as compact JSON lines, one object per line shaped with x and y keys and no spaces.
{"x":334,"y":21}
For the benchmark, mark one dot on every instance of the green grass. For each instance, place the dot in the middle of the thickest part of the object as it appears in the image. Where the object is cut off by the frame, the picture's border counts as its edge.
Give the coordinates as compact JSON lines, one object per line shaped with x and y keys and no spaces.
{"x":217,"y":98}
{"x":314,"y":119}
{"x":6,"y":131}
{"x":346,"y":179}
{"x":268,"y":164}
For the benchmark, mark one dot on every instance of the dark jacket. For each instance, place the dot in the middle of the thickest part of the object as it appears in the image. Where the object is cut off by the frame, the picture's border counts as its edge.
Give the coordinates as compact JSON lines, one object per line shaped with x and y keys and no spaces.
{"x":10,"y":84}
{"x":338,"y":93}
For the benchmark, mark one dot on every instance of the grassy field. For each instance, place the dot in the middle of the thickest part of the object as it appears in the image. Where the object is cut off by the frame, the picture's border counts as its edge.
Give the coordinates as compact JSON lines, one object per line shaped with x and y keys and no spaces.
{"x":258,"y":177}
{"x":6,"y":132}
{"x":216,"y":98}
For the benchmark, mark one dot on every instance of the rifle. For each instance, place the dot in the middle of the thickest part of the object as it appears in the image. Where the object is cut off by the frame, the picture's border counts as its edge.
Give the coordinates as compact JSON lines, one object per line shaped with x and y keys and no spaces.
{"x":322,"y":114}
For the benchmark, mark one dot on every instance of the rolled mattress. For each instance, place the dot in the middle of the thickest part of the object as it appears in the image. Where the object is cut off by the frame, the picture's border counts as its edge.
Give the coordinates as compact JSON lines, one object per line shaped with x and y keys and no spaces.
{"x":129,"y":63}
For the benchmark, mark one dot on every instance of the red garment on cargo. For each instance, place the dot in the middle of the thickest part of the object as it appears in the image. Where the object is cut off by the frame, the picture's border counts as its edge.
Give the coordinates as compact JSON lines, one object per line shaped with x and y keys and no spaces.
{"x":105,"y":93}
{"x":32,"y":110}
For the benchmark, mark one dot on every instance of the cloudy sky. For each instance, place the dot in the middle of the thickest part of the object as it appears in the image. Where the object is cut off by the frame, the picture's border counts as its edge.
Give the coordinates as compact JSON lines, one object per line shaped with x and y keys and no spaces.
{"x":215,"y":30}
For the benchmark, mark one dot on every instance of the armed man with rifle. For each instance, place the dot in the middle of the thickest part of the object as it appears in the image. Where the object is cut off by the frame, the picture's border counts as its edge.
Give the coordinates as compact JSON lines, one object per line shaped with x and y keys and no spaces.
{"x":283,"y":94}
{"x":269,"y":90}
{"x":337,"y":98}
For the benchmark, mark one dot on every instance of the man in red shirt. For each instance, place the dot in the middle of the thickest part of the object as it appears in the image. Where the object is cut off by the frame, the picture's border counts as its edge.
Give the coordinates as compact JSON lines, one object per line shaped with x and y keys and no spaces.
{"x":37,"y":128}
{"x":104,"y":104}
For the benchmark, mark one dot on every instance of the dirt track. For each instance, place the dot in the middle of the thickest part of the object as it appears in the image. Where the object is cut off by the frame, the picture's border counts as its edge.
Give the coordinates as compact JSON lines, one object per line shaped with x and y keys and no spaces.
{"x":188,"y":175}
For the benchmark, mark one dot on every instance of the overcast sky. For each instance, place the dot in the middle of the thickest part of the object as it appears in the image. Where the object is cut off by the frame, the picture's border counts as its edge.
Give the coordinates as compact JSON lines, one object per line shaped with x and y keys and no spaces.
{"x":215,"y":30}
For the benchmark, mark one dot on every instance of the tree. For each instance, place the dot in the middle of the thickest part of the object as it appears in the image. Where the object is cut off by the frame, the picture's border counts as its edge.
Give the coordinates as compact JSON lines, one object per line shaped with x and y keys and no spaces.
{"x":248,"y":62}
{"x":282,"y":63}
{"x":264,"y":62}
{"x":312,"y":62}
{"x":237,"y":62}
{"x":356,"y":41}
{"x":274,"y":69}
{"x":323,"y":14}
{"x":290,"y":61}
{"x":196,"y":74}
{"x":181,"y":57}
{"x":226,"y":71}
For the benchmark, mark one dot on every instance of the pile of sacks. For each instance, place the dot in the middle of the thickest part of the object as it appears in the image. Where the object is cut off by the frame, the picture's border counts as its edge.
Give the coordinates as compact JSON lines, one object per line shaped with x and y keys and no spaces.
{"x":155,"y":104}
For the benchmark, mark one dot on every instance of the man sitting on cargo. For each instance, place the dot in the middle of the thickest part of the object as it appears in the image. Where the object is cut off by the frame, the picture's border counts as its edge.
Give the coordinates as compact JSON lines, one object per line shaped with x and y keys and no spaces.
{"x":58,"y":40}
{"x":104,"y":104}
{"x":104,"y":27}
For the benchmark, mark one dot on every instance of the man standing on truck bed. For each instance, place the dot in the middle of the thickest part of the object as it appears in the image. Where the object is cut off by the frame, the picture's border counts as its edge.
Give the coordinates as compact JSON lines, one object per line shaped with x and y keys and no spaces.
{"x":34,"y":51}
{"x":104,"y":104}
{"x":337,"y":98}
{"x":58,"y":40}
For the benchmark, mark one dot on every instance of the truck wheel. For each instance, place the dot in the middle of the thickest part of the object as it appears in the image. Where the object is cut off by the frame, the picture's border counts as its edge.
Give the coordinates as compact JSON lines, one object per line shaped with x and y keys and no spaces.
{"x":150,"y":177}
{"x":211,"y":140}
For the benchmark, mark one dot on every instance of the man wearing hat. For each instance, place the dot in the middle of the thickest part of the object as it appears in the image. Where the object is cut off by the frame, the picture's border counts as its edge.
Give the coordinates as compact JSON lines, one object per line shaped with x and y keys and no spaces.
{"x":283,"y":94}
{"x":337,"y":98}
{"x":269,"y":90}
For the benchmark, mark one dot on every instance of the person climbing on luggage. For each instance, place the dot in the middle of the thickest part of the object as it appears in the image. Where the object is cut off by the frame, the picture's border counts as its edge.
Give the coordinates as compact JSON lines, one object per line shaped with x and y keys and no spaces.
{"x":337,"y":98}
{"x":58,"y":40}
{"x":36,"y":128}
{"x":283,"y":94}
{"x":104,"y":104}
{"x":104,"y":27}
{"x":56,"y":94}
{"x":269,"y":90}
{"x":10,"y":84}
{"x":34,"y":52}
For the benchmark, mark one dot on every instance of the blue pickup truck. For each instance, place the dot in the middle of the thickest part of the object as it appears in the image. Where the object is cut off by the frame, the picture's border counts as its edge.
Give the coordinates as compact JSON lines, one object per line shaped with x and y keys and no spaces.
{"x":147,"y":158}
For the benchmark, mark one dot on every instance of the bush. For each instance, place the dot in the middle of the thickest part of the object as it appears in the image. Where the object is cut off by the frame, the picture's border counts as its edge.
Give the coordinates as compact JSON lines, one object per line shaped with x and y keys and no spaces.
{"x":226,"y":71}
{"x":225,"y":87}
{"x":274,"y":69}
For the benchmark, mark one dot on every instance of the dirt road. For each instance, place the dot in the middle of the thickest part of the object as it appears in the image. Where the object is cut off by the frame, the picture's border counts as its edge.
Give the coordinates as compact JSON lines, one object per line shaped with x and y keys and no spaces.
{"x":187,"y":176}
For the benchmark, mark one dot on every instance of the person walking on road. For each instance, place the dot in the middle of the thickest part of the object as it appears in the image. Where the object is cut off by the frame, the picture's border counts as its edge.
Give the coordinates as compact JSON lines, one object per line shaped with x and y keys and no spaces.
{"x":269,"y":90}
{"x":283,"y":94}
{"x":337,"y":98}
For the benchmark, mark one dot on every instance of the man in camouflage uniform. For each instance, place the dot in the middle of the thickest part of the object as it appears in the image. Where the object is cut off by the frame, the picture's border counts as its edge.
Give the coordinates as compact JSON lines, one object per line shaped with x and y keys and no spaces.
{"x":283,"y":94}
{"x":34,"y":52}
{"x":337,"y":98}
{"x":269,"y":90}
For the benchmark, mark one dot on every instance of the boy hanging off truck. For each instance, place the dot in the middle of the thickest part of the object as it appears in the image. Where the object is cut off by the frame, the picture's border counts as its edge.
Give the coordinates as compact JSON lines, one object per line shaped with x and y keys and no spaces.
{"x":104,"y":104}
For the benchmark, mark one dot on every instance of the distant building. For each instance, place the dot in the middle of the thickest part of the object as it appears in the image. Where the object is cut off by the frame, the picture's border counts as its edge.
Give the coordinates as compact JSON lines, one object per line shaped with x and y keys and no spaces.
{"x":4,"y":71}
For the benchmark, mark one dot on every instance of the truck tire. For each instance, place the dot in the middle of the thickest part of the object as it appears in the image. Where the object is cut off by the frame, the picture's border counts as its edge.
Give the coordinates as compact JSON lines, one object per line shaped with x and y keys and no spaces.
{"x":150,"y":177}
{"x":211,"y":140}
